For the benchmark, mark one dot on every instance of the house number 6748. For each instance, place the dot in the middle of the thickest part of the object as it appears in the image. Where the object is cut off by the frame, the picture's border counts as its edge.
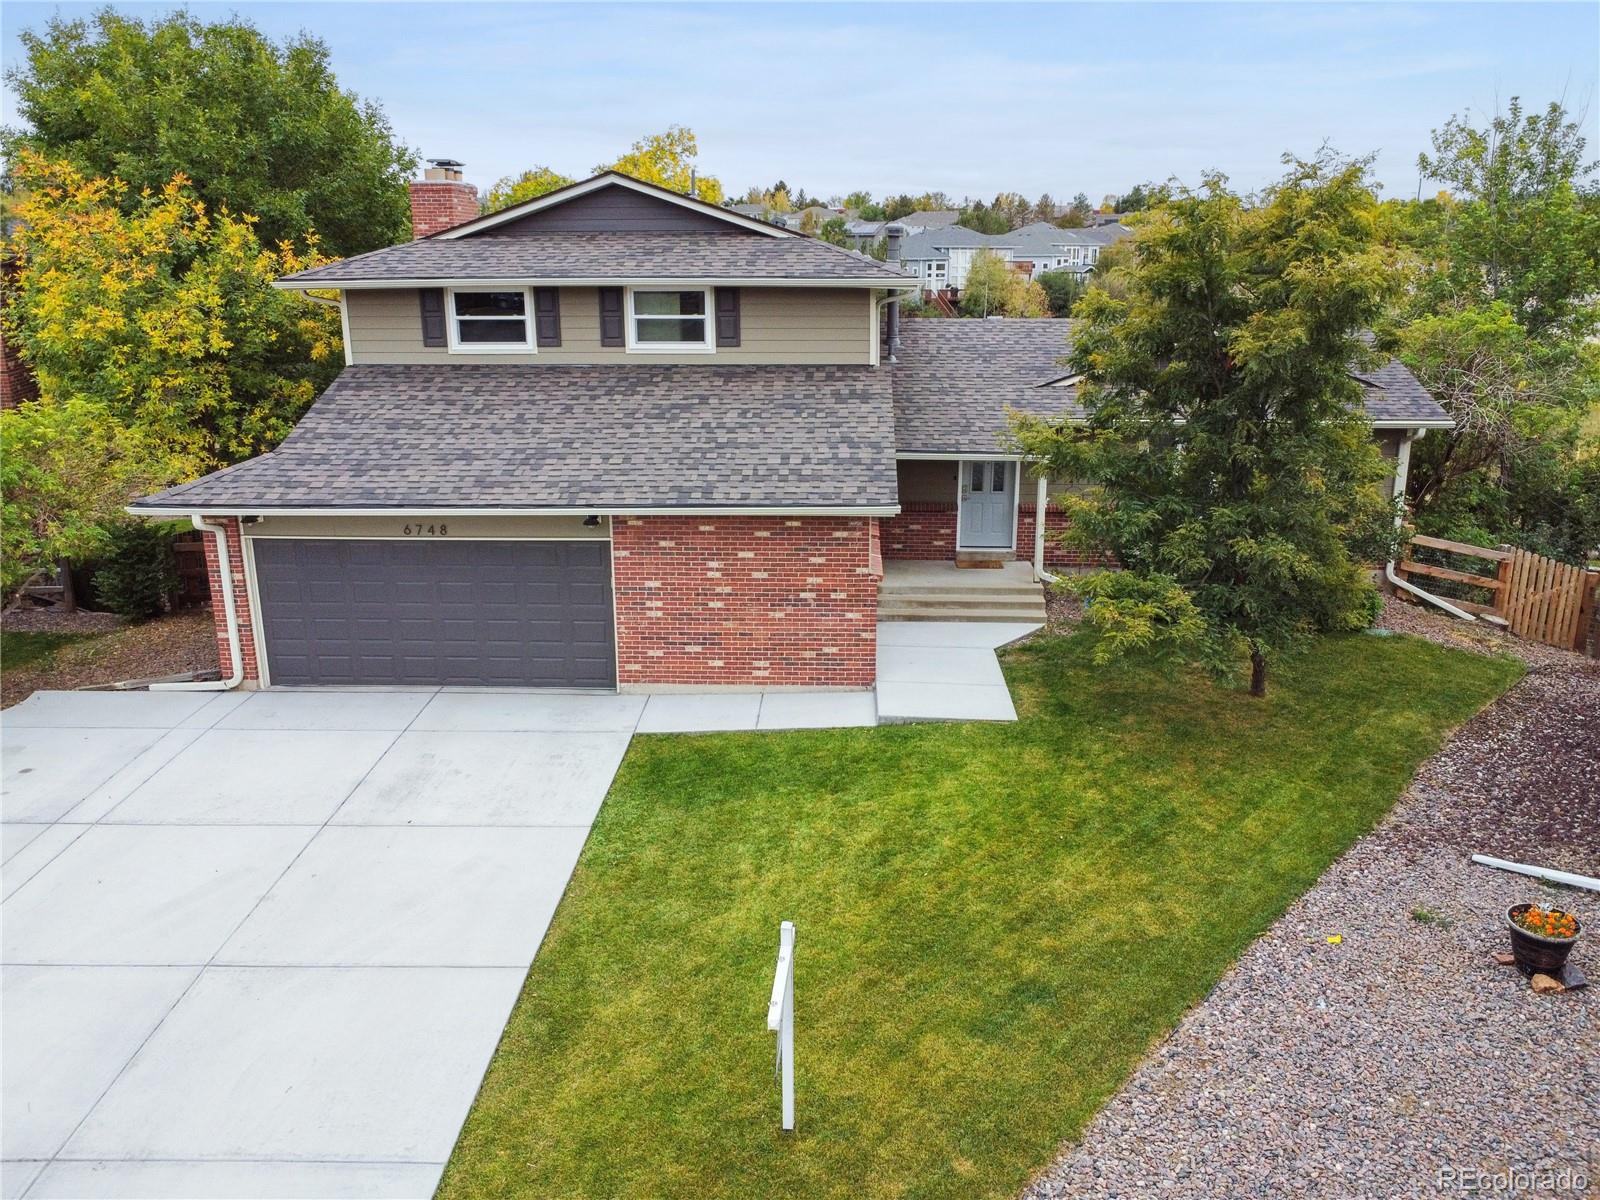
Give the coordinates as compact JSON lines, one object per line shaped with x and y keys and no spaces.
{"x":426,"y":530}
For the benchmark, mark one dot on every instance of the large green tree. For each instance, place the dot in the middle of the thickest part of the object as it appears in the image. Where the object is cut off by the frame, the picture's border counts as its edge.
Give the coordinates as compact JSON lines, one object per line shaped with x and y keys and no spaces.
{"x":67,"y":470}
{"x":257,"y":127}
{"x":1230,"y":467}
{"x":1522,"y":224}
{"x":1499,"y":323}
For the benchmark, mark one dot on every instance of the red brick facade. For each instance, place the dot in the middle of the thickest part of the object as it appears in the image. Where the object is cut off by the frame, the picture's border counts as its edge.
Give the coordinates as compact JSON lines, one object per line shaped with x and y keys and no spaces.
{"x":1055,"y":554}
{"x":922,"y":530}
{"x":927,"y":531}
{"x":241,"y":601}
{"x":745,"y":601}
{"x":440,"y":203}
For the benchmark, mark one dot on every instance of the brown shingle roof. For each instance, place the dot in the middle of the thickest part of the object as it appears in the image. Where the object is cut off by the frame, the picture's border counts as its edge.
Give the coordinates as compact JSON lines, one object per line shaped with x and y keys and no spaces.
{"x":464,"y":435}
{"x":583,"y":437}
{"x":620,"y":256}
{"x":955,"y":379}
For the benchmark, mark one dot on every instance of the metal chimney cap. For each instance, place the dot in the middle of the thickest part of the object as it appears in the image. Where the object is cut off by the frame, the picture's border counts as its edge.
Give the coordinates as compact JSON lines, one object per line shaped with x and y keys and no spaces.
{"x":445,"y":162}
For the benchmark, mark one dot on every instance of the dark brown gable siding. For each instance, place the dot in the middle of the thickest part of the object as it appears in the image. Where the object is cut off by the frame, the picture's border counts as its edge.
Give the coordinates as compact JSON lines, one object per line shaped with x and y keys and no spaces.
{"x":615,"y":210}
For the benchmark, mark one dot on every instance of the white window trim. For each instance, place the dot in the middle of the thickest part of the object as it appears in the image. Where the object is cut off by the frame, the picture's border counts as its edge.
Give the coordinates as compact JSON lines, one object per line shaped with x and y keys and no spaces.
{"x":456,"y":346}
{"x":630,"y":330}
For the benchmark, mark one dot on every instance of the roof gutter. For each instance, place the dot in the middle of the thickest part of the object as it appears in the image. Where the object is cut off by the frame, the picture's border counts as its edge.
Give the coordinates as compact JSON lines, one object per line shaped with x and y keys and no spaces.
{"x":290,"y":284}
{"x":257,"y":510}
{"x":235,"y":655}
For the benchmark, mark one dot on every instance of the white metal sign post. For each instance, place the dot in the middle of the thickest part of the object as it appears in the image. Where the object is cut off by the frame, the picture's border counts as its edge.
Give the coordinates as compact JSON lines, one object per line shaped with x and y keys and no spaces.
{"x":780,"y":1018}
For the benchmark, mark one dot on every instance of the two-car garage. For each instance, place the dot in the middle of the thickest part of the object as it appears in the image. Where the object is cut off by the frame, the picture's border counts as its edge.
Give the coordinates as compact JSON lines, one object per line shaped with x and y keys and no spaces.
{"x":433,"y":608}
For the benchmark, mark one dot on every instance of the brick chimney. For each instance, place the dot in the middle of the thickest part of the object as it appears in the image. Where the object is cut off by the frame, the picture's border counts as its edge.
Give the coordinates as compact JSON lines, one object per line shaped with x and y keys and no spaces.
{"x":440,"y":199}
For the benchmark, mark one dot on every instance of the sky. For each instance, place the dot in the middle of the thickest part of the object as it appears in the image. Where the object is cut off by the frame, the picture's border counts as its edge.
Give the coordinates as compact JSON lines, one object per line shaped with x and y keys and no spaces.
{"x":966,"y":98}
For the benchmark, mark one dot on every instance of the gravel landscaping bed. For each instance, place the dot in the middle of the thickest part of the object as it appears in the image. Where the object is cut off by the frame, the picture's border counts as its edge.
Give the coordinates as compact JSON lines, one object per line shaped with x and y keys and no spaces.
{"x":1365,"y":1067}
{"x":115,"y":652}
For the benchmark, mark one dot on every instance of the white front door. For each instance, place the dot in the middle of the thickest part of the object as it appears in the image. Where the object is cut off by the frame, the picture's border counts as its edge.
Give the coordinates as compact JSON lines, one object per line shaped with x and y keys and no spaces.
{"x":986,"y":505}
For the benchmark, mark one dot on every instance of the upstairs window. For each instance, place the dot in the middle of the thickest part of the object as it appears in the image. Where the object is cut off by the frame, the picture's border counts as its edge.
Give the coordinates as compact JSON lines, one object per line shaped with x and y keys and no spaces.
{"x":669,"y":320}
{"x":490,"y":322}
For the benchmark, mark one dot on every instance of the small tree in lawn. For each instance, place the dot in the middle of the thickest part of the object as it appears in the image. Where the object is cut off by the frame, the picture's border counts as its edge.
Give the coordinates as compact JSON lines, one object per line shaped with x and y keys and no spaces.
{"x":1233,"y":473}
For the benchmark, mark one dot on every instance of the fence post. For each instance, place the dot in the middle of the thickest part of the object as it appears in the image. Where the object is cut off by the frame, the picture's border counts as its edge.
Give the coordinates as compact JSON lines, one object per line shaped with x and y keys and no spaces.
{"x":780,"y":1018}
{"x":1502,"y":597}
{"x":1588,"y":617}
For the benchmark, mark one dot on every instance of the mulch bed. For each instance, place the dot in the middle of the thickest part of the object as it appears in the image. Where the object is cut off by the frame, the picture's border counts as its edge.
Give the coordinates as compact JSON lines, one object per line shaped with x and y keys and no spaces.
{"x":1366,"y":1066}
{"x":119,"y":651}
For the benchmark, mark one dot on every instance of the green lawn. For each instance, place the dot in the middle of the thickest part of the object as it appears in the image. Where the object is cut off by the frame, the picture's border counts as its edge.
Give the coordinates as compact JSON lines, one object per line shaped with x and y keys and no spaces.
{"x":994,"y":924}
{"x":18,"y":649}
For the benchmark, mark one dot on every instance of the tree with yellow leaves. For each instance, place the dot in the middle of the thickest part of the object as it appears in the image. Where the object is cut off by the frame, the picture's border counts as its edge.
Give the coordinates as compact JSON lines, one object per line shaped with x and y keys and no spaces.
{"x":667,"y":160}
{"x":161,"y":312}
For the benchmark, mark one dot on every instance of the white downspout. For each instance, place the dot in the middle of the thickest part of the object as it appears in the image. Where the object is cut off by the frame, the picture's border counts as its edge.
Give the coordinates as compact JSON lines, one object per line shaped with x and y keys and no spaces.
{"x":1042,"y":497}
{"x":235,"y":656}
{"x":1402,"y":469}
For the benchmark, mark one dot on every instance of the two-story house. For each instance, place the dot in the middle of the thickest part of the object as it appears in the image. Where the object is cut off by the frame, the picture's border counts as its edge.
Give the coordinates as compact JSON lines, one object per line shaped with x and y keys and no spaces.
{"x":616,"y":437}
{"x":942,"y":257}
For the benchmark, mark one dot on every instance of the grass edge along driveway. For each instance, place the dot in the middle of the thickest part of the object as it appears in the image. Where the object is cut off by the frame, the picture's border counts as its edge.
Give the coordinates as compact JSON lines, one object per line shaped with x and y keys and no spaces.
{"x":995,"y":923}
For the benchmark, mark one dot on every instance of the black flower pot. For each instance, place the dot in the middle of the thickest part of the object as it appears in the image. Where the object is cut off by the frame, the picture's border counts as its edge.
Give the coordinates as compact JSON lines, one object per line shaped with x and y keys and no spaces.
{"x":1535,"y":953}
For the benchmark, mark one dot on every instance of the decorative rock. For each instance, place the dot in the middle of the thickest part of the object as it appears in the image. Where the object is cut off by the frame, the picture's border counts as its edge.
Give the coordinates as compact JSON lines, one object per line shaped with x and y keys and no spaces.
{"x":1546,"y":985}
{"x":1572,"y":977}
{"x":1504,"y":958}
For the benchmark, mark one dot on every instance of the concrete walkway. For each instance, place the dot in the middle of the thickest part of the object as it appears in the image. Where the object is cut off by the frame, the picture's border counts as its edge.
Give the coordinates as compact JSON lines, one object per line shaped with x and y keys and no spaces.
{"x":944,"y":670}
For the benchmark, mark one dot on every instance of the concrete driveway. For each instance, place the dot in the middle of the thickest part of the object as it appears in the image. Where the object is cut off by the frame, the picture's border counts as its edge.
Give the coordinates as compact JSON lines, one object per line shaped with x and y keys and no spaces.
{"x":264,"y":945}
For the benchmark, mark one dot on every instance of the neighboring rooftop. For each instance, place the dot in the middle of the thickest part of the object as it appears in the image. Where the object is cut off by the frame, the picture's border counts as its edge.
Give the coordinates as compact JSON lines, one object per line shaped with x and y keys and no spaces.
{"x":578,"y":437}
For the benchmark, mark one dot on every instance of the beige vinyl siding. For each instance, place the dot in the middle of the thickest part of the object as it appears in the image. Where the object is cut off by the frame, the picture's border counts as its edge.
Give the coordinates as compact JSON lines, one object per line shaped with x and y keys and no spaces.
{"x":777,"y":325}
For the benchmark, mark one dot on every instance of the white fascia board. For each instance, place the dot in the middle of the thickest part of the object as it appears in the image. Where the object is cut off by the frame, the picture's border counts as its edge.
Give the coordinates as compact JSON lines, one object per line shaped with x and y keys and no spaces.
{"x":290,"y":285}
{"x":1413,"y":423}
{"x":956,"y":456}
{"x":608,"y":179}
{"x":259,"y":510}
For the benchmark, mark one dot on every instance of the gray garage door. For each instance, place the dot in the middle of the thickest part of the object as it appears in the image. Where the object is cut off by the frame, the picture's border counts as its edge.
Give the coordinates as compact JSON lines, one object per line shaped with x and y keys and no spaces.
{"x":528,"y":614}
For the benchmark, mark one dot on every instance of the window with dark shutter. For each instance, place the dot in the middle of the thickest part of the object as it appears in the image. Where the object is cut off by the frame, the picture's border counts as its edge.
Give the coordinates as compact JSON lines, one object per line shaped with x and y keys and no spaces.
{"x":611,"y":317}
{"x":547,"y":315}
{"x":727,"y":316}
{"x":432,"y":301}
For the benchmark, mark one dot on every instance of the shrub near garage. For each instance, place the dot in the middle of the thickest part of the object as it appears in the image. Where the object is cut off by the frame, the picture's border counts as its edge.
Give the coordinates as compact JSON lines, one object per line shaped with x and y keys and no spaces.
{"x":140,"y":570}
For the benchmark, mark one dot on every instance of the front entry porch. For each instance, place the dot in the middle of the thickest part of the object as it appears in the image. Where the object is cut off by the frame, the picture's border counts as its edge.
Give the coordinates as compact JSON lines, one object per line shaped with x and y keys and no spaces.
{"x":942,"y":591}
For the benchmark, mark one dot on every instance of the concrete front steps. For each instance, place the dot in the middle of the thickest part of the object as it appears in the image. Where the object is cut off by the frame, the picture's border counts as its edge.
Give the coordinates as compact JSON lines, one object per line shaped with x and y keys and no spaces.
{"x":941,"y":591}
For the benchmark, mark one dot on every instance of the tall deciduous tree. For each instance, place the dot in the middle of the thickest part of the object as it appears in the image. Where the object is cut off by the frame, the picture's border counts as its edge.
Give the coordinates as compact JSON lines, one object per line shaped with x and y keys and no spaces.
{"x":67,"y":470}
{"x":1233,"y":473}
{"x":994,"y":289}
{"x":529,"y":185}
{"x":1499,"y":325}
{"x":258,"y":127}
{"x":834,"y":230}
{"x":1524,"y":224}
{"x":161,"y":311}
{"x":668,"y":160}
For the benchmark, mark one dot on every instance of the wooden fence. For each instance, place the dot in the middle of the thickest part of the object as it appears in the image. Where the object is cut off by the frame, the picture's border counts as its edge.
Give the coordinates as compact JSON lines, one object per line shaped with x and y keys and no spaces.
{"x":1534,"y":597}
